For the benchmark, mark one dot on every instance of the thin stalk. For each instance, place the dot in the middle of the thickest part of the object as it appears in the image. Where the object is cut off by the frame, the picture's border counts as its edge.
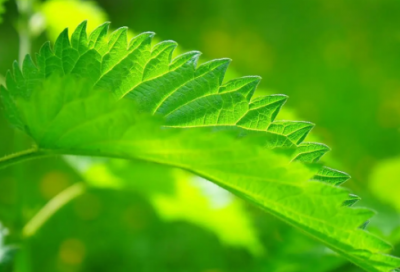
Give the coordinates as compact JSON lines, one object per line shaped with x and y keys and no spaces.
{"x":54,"y":205}
{"x":26,"y":155}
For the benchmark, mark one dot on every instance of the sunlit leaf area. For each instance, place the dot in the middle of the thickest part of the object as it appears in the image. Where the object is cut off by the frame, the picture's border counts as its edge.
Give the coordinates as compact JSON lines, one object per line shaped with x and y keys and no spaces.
{"x":199,"y":136}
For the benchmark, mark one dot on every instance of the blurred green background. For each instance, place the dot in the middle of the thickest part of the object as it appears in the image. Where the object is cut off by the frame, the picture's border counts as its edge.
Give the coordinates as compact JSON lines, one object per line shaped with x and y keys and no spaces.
{"x":339,"y":62}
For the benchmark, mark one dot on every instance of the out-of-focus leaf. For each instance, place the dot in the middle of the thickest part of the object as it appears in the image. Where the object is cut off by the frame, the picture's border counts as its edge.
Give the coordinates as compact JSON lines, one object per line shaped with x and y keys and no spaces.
{"x":80,"y":235}
{"x":385,"y":182}
{"x":178,"y":195}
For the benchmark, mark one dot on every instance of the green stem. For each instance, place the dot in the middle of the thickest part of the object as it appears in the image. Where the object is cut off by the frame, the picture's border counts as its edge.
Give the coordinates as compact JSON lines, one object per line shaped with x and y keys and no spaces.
{"x":29,"y":154}
{"x":51,"y":208}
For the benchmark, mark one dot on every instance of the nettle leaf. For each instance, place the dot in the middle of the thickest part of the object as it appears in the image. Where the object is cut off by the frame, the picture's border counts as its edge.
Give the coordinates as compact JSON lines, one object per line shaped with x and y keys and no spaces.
{"x":101,"y":95}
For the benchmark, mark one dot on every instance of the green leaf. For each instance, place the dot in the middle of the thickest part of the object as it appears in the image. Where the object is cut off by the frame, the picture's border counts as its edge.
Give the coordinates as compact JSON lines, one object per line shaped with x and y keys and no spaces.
{"x":102,"y":96}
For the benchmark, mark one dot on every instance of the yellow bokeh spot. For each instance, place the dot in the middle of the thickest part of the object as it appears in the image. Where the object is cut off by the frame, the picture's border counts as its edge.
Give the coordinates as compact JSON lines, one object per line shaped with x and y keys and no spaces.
{"x":72,"y":251}
{"x":53,"y":183}
{"x":60,"y":14}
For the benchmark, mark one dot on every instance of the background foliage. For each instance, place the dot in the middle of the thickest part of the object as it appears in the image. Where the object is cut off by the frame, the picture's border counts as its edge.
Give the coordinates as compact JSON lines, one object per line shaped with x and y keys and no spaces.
{"x":337,"y":61}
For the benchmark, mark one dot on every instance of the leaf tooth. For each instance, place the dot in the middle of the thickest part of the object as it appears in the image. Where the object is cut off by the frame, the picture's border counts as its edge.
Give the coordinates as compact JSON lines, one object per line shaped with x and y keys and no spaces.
{"x":46,"y":51}
{"x":39,"y":65}
{"x":357,"y":217}
{"x":88,"y":66}
{"x":11,"y":83}
{"x":98,"y":38}
{"x":310,"y":152}
{"x":131,"y":65}
{"x":164,"y":46}
{"x":29,"y":69}
{"x":99,"y":32}
{"x":13,"y":114}
{"x":187,"y":58}
{"x":44,"y":54}
{"x":31,"y":75}
{"x":17,"y":72}
{"x":160,"y":59}
{"x":364,"y":225}
{"x":295,"y":131}
{"x":280,"y":101}
{"x":352,"y":199}
{"x":206,"y":83}
{"x":61,"y":43}
{"x":119,"y":38}
{"x":331,"y":176}
{"x":143,"y":38}
{"x":219,"y":66}
{"x":244,"y":85}
{"x":79,"y":40}
{"x":377,"y":245}
{"x":117,"y":49}
{"x":216,"y":109}
{"x":151,"y":94}
{"x":263,"y":101}
{"x":19,"y":88}
{"x":262,"y":112}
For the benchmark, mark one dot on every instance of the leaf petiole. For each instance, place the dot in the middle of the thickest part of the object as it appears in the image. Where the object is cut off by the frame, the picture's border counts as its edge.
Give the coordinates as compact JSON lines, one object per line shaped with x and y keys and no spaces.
{"x":52,"y":207}
{"x":29,"y":154}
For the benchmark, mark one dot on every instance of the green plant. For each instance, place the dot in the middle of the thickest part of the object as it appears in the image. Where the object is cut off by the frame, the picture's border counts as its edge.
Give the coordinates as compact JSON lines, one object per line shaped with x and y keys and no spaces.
{"x":101,"y":96}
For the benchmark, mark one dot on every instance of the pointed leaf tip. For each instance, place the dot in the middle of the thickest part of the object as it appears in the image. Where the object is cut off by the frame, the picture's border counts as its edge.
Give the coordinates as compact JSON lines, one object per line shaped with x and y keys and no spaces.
{"x":191,"y":57}
{"x":310,"y":152}
{"x":353,"y":199}
{"x":332,"y":176}
{"x":218,"y":66}
{"x":145,"y":37}
{"x":296,"y":131}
